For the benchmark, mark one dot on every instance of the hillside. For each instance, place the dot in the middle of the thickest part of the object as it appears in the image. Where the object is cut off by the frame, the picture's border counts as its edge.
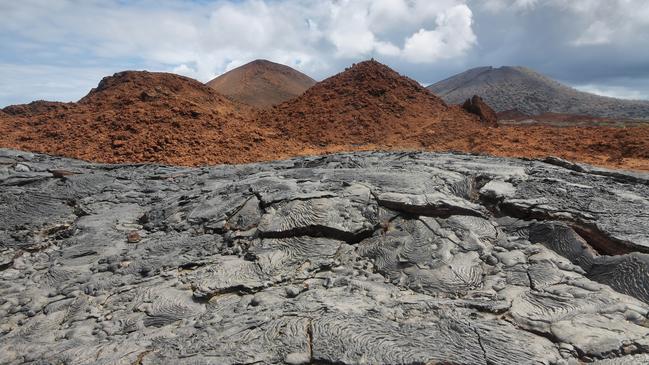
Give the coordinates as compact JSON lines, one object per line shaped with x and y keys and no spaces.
{"x":519,"y":88}
{"x":369,"y":103}
{"x":262,"y":83}
{"x":142,"y":116}
{"x":35,"y":108}
{"x":164,"y":118}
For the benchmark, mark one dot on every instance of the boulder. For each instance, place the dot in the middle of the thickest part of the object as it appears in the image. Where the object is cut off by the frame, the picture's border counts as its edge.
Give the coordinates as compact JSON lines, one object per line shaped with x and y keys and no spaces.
{"x":477,"y":106}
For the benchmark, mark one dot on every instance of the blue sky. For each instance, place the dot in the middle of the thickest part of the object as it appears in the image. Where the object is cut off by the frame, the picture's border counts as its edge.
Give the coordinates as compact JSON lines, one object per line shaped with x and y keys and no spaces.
{"x":59,"y":49}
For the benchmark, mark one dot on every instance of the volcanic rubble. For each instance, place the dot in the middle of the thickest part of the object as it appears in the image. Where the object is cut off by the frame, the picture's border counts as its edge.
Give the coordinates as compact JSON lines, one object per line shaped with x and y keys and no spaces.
{"x":137,"y":116}
{"x":164,"y":118}
{"x":370,"y":103}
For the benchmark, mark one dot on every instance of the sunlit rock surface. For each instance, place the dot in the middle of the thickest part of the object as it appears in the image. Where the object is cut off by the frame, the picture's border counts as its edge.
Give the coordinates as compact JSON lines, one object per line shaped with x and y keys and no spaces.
{"x":365,"y":258}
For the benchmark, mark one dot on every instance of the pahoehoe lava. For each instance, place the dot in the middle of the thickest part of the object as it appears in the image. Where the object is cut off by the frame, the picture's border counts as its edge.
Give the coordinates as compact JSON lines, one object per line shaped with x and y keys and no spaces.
{"x":357,"y":258}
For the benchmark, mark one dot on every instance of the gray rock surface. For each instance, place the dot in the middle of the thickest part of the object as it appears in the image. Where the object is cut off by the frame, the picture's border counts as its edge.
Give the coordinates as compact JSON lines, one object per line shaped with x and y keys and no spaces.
{"x":364,"y":258}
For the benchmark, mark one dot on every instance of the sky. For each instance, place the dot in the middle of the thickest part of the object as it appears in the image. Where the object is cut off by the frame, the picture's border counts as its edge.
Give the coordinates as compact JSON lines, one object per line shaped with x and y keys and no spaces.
{"x":60,"y":49}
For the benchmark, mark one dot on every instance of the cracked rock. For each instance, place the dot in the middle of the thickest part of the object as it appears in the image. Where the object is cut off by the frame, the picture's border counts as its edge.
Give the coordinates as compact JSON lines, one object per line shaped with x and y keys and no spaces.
{"x":359,"y":258}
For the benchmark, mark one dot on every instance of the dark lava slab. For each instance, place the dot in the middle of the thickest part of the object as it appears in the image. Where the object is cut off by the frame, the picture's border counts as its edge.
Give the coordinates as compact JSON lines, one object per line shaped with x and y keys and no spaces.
{"x":363,"y":258}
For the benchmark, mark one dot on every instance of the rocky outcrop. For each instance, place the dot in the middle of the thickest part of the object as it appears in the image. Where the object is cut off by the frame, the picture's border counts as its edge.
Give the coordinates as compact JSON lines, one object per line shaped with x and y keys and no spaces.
{"x":363,"y":258}
{"x":477,"y":106}
{"x":369,"y":103}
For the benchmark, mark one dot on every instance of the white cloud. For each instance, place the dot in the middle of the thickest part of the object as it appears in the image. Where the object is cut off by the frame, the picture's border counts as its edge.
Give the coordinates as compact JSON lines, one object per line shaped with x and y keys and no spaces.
{"x":435,"y":29}
{"x":601,"y":21}
{"x":452,"y":37}
{"x":597,"y":33}
{"x":500,"y":5}
{"x":349,"y":29}
{"x":204,"y":39}
{"x":426,"y":39}
{"x":607,"y":22}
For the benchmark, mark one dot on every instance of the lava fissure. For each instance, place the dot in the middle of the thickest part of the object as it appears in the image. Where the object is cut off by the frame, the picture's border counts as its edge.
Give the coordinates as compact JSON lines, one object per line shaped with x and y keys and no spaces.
{"x":316,"y":230}
{"x":600,"y":241}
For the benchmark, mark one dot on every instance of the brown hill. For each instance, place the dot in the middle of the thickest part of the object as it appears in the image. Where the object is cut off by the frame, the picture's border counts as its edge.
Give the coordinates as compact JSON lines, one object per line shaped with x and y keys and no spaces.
{"x":35,"y":108}
{"x":158,"y":117}
{"x":142,"y":117}
{"x":369,"y":103}
{"x":262,"y":83}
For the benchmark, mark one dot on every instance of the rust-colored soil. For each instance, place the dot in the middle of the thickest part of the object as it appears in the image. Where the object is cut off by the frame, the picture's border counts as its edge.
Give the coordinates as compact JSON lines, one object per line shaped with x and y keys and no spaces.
{"x":369,"y":104}
{"x":514,"y":117}
{"x":262,"y":83}
{"x":157,"y":117}
{"x":144,"y":117}
{"x":614,"y":147}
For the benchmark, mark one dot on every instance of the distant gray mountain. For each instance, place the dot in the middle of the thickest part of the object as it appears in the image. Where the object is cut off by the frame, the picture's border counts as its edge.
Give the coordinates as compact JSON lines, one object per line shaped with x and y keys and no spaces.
{"x":522,"y":89}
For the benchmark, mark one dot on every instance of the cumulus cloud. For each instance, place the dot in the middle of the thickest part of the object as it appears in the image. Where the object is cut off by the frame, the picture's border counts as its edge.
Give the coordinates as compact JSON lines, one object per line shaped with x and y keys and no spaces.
{"x":203,"y":39}
{"x":589,"y":40}
{"x":500,"y":5}
{"x":600,"y":21}
{"x":452,"y":37}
